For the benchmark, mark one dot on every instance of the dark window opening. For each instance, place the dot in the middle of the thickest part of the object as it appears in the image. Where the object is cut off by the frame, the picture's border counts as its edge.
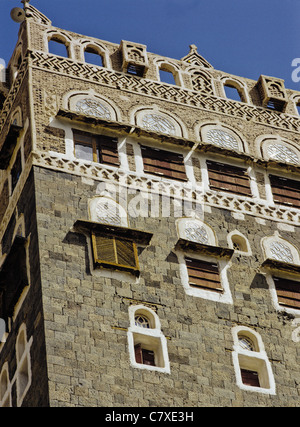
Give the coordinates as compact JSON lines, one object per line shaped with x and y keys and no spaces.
{"x":228,"y":178}
{"x":135,"y":70}
{"x":96,"y":148}
{"x":204,"y":275}
{"x":288,"y":292}
{"x":285,"y":191}
{"x":13,"y":278}
{"x":250,"y":378}
{"x":16,"y":171}
{"x":165,"y":163}
{"x":143,"y":356}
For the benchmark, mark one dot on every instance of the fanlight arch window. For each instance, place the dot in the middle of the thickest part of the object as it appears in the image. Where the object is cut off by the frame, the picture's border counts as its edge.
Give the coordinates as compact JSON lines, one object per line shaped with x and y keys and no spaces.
{"x":279,"y":249}
{"x":251,"y":364}
{"x":158,"y":123}
{"x":239,"y":242}
{"x":195,"y":230}
{"x":277,"y":150}
{"x":147,"y":344}
{"x":221,"y":137}
{"x":106,"y":211}
{"x":93,"y":107}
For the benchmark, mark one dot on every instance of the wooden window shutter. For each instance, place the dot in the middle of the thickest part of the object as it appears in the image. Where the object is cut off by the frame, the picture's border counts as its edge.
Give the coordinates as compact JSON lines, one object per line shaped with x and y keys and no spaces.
{"x":138,"y":353}
{"x":143,"y":356}
{"x":165,"y":163}
{"x":204,"y":275}
{"x":108,"y":151}
{"x":228,"y":178}
{"x":288,"y":292}
{"x":114,"y":251}
{"x":250,"y":378}
{"x":285,"y":191}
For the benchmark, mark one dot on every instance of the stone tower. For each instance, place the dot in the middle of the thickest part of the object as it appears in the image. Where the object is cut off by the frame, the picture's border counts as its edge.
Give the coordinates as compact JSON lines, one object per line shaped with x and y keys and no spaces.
{"x":149,"y":228}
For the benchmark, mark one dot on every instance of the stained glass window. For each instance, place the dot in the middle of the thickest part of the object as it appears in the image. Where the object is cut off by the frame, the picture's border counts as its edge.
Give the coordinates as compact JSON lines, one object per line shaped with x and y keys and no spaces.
{"x":281,"y":252}
{"x":196,"y":233}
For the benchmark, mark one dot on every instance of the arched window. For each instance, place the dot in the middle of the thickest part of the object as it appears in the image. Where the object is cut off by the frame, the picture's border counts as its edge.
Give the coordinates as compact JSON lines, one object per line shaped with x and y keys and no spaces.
{"x":281,"y":151}
{"x":239,"y":242}
{"x":279,"y":249}
{"x":5,"y":387}
{"x":92,"y":55}
{"x":58,"y":46}
{"x":93,"y":107}
{"x":158,"y":123}
{"x":195,"y":230}
{"x":234,"y":90}
{"x":106,"y":211}
{"x":23,"y":364}
{"x":222,"y":136}
{"x":252,"y":367}
{"x":147,"y":344}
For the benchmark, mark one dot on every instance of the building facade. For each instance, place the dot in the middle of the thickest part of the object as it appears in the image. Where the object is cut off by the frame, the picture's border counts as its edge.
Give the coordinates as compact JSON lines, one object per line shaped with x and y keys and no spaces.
{"x":149,"y":228}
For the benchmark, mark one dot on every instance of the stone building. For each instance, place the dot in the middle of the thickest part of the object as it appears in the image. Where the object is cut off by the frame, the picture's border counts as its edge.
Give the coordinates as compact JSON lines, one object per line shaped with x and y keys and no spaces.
{"x":149,"y":228}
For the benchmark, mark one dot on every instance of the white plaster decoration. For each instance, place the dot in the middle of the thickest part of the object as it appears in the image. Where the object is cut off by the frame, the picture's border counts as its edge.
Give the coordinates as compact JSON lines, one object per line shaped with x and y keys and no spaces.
{"x":222,"y":139}
{"x":282,"y":153}
{"x":106,"y":211}
{"x":23,"y":371}
{"x":276,"y":248}
{"x":158,"y":123}
{"x":254,"y":358}
{"x":224,"y":297}
{"x":92,"y":107}
{"x":239,"y":243}
{"x":151,"y":338}
{"x":196,"y":231}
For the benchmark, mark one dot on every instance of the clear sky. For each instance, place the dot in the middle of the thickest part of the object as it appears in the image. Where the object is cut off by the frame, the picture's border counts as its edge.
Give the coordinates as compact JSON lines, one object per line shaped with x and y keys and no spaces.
{"x":243,"y":37}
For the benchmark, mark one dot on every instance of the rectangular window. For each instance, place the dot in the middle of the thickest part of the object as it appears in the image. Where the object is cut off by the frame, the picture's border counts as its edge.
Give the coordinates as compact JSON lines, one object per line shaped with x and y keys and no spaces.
{"x":13,"y":278}
{"x":114,"y":252}
{"x":288,"y":292}
{"x":146,"y":357}
{"x":96,"y":148}
{"x":165,"y":163}
{"x":250,"y":378}
{"x":228,"y":178}
{"x":285,"y":191}
{"x":16,"y":171}
{"x":204,"y":275}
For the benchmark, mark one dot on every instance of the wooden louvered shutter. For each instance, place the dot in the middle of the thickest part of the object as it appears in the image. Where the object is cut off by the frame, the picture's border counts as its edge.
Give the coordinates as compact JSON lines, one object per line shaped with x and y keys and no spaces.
{"x":165,"y":163}
{"x":228,"y":178}
{"x":250,"y":378}
{"x":108,"y":151}
{"x":104,"y":249}
{"x":285,"y":191}
{"x":288,"y":292}
{"x":148,"y":357}
{"x":115,"y":251}
{"x":126,"y":253}
{"x":203,"y":274}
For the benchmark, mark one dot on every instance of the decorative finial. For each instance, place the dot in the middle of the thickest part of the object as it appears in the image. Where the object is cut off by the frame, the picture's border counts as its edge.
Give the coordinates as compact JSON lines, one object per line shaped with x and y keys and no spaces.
{"x":193,"y":48}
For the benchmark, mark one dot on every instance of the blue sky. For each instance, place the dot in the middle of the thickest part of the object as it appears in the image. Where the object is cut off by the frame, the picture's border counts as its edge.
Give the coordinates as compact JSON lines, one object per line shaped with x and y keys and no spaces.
{"x":242,"y":37}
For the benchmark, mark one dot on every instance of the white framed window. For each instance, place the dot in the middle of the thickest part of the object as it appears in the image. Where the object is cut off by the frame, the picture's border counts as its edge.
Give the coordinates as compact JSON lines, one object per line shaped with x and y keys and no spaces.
{"x":23,"y":371}
{"x":239,"y":243}
{"x":147,"y":344}
{"x":251,"y":364}
{"x":5,"y":387}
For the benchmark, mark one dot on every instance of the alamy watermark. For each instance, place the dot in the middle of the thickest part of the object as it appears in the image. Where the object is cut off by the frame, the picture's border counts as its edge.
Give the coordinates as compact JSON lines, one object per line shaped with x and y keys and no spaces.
{"x":296,"y":71}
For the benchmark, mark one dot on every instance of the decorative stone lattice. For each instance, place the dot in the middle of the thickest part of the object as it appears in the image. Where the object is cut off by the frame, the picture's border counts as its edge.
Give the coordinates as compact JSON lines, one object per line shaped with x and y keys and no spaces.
{"x":158,"y":123}
{"x":222,"y":139}
{"x":91,"y":107}
{"x":281,"y":252}
{"x":282,"y":153}
{"x":196,"y":233}
{"x":108,"y":213}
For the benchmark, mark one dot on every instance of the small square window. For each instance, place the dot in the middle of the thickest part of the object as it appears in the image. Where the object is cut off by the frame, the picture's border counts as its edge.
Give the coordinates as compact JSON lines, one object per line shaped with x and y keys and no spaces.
{"x":96,"y":148}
